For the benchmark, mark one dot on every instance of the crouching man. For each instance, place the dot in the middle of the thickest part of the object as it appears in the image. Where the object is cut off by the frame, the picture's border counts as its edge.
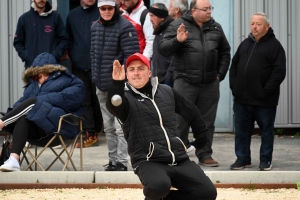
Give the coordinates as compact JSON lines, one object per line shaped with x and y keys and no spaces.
{"x":147,"y":111}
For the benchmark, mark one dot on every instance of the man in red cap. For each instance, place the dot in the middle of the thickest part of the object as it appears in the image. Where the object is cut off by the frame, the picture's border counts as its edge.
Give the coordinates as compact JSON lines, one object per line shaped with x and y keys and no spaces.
{"x":147,"y":111}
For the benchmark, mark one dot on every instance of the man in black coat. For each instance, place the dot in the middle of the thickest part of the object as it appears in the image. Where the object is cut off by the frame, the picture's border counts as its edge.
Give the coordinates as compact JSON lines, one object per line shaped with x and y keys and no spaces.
{"x":257,"y":70}
{"x":40,"y":30}
{"x":162,"y":66}
{"x":79,"y":22}
{"x":201,"y":60}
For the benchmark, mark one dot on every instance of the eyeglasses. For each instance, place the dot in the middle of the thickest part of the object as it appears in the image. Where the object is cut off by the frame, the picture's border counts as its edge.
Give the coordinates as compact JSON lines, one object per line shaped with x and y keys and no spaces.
{"x":110,"y":8}
{"x":205,"y":9}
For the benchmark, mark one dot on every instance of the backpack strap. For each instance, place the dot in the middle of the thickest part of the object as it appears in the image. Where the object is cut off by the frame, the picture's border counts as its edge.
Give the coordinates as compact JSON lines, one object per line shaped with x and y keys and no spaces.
{"x":143,"y":16}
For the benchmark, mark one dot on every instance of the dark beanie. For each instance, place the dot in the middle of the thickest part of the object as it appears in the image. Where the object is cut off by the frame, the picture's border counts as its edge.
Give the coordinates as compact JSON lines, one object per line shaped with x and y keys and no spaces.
{"x":158,"y":12}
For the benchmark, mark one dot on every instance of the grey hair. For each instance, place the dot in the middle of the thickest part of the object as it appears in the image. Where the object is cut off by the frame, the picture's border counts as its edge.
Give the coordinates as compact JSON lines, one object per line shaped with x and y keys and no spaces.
{"x":181,"y":4}
{"x":267,"y":21}
{"x":193,"y":4}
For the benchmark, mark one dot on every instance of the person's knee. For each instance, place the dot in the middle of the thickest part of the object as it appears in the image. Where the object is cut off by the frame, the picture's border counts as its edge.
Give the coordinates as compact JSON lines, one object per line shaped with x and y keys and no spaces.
{"x":157,"y":190}
{"x":209,"y":193}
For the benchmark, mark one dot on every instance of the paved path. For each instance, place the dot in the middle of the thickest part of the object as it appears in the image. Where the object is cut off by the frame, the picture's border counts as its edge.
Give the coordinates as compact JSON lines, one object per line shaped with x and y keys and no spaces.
{"x":286,"y":167}
{"x":286,"y":155}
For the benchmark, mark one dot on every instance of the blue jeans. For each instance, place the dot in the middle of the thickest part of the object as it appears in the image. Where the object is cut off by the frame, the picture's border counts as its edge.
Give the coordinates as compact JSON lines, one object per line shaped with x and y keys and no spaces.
{"x":244,"y":118}
{"x":116,"y":143}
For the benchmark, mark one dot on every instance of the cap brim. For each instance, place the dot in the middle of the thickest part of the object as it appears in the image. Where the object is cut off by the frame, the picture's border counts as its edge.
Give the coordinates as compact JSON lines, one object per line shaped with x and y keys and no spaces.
{"x":106,"y":4}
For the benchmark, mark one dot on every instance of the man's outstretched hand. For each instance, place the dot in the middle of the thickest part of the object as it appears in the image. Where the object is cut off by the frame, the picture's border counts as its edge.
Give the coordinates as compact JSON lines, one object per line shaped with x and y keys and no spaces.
{"x":182,"y":34}
{"x":118,"y":71}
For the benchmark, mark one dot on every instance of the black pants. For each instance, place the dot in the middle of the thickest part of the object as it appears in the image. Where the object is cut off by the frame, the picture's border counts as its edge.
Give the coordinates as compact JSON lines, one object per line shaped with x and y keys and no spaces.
{"x":22,"y":128}
{"x":92,"y":113}
{"x":206,"y":98}
{"x":187,"y":177}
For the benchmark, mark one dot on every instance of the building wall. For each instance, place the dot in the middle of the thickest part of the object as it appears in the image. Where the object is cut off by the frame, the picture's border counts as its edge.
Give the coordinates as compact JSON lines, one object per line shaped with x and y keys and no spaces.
{"x":11,"y":65}
{"x":233,"y":15}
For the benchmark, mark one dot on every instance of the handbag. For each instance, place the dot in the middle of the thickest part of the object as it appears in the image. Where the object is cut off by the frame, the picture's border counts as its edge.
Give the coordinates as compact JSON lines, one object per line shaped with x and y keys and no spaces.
{"x":5,"y":152}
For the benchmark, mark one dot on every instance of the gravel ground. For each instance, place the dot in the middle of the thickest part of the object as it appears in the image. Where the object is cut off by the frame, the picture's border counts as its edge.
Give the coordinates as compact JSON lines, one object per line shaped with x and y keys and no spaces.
{"x":137,"y":194}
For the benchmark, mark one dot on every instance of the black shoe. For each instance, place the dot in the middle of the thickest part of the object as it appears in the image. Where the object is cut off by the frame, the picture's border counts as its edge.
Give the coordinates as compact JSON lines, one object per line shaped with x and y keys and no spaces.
{"x":109,"y":167}
{"x":265,"y":166}
{"x":120,"y":167}
{"x":240,"y":165}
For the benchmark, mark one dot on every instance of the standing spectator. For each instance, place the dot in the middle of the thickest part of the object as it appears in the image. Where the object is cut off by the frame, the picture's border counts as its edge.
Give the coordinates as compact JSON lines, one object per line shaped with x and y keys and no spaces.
{"x":201,"y":61}
{"x":161,"y":65}
{"x":177,"y":8}
{"x":112,"y":38}
{"x":158,"y":157}
{"x":40,"y":30}
{"x":257,"y":70}
{"x":79,"y":22}
{"x":137,"y":14}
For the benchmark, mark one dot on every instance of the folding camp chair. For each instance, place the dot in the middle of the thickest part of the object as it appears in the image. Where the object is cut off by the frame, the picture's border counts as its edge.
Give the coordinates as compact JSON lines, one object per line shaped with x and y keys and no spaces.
{"x":52,"y":140}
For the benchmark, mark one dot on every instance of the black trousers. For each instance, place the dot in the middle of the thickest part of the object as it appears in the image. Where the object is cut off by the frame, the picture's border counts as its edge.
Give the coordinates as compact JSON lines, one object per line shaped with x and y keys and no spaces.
{"x":206,"y":98}
{"x":92,"y":114}
{"x":22,"y":128}
{"x":187,"y":177}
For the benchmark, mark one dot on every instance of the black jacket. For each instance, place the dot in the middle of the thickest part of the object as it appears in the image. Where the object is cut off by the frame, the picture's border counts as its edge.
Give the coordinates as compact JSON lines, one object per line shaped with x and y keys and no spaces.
{"x":36,"y":34}
{"x":203,"y":56}
{"x":257,"y":70}
{"x":162,"y":66}
{"x":149,"y":124}
{"x":79,"y":22}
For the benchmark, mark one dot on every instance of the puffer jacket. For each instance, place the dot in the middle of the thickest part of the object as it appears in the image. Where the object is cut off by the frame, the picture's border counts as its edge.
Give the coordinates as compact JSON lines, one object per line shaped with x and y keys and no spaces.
{"x":60,"y":94}
{"x":204,"y":56}
{"x":113,"y":40}
{"x":149,"y":121}
{"x":147,"y":139}
{"x":257,"y":70}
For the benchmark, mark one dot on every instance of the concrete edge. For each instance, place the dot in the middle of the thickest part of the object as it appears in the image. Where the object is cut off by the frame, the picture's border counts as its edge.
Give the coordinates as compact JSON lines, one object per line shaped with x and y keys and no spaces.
{"x":129,"y":178}
{"x":252,"y":186}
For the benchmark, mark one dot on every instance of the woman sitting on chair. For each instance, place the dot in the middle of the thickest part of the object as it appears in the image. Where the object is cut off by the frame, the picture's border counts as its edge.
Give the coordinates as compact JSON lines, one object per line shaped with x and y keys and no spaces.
{"x":50,"y":91}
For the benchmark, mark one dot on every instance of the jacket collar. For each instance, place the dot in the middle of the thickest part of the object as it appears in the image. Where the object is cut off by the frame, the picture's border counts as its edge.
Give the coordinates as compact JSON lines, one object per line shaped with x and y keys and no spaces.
{"x":164,"y":24}
{"x":48,"y":9}
{"x":154,"y":84}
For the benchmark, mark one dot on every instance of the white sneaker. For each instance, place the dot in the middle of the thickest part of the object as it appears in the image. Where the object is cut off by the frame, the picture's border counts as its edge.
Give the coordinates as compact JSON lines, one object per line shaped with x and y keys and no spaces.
{"x":57,"y":147}
{"x":27,"y":144}
{"x":190,"y":149}
{"x":10,"y":165}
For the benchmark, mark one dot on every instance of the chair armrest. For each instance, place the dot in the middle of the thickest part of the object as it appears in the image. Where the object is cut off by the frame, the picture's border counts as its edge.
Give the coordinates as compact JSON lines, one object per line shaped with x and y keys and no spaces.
{"x":71,"y":118}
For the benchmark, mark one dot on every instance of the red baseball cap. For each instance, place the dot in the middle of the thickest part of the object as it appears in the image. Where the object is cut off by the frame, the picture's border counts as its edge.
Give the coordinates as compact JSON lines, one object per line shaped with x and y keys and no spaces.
{"x":138,"y":56}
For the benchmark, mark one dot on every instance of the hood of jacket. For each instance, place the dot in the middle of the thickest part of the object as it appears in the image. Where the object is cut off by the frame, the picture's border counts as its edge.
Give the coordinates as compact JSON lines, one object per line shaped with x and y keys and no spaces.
{"x":48,"y":9}
{"x":44,"y":63}
{"x":269,"y":34}
{"x":32,"y":72}
{"x":113,"y":19}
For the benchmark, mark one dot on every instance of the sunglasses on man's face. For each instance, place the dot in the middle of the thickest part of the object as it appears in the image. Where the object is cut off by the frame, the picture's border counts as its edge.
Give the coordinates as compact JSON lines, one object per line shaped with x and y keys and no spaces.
{"x":109,"y":8}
